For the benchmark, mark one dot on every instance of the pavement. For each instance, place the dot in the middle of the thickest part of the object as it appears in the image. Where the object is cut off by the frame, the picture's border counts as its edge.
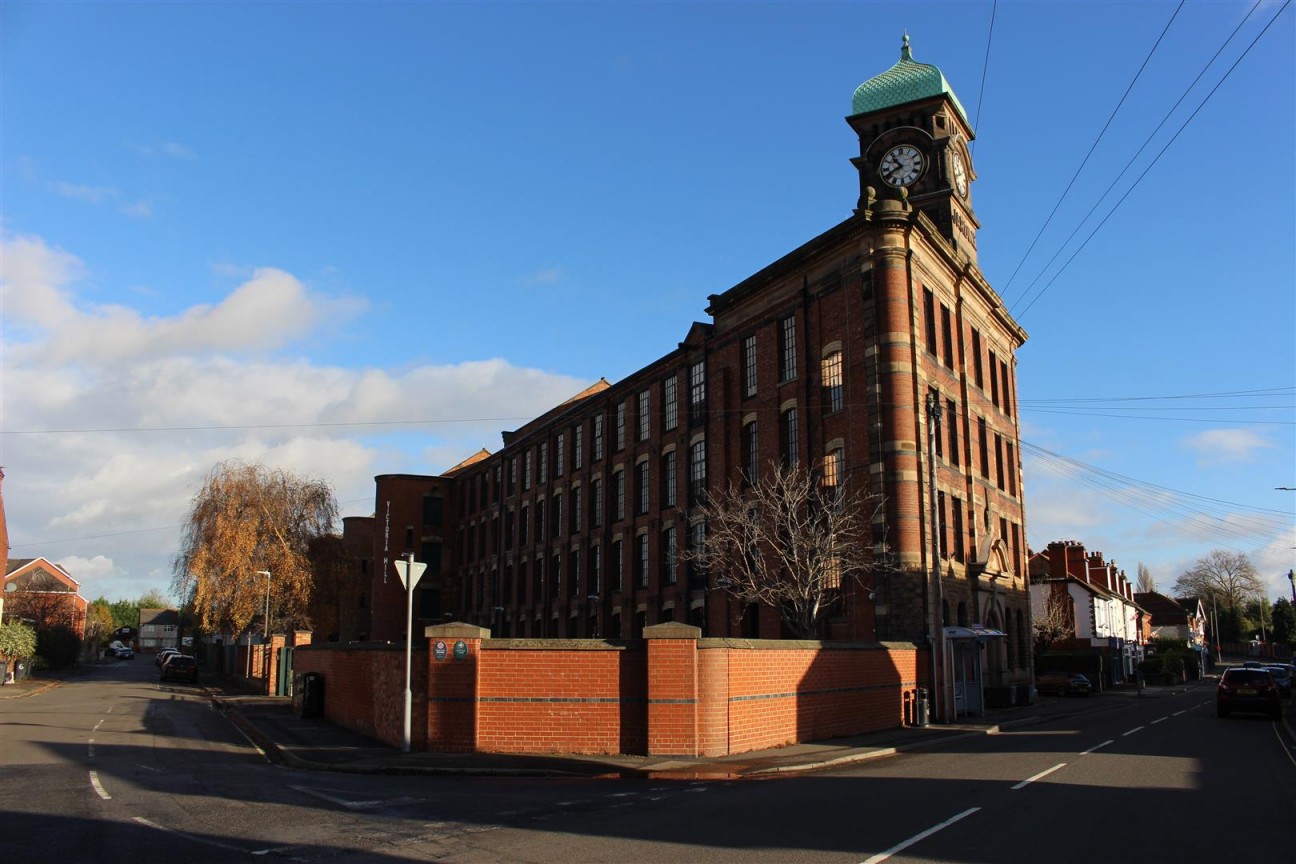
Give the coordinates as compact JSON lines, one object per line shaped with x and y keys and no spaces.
{"x":315,"y":743}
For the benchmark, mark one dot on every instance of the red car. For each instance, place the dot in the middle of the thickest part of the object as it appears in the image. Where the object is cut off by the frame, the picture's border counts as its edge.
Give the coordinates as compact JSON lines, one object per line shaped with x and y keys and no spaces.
{"x":1248,"y":689}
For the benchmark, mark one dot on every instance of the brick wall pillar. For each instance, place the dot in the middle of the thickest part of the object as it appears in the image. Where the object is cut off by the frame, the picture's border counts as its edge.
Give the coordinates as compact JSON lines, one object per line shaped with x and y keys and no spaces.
{"x":453,"y":685}
{"x":673,"y":689}
{"x":302,"y":637}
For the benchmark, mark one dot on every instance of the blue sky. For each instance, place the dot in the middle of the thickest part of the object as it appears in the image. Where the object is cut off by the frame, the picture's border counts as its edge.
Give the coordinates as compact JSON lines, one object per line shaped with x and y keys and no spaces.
{"x":274,"y":230}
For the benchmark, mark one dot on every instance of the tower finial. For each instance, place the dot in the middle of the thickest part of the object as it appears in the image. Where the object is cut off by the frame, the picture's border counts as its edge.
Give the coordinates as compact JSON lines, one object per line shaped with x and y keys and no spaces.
{"x":904,"y":48}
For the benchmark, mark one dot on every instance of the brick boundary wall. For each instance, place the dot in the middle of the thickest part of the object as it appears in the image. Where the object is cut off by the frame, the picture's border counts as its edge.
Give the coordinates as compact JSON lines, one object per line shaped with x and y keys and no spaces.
{"x":674,"y":693}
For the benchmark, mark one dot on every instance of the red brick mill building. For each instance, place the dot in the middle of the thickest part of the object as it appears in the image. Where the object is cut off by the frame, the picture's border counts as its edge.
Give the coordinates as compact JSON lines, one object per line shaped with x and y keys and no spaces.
{"x":830,"y":357}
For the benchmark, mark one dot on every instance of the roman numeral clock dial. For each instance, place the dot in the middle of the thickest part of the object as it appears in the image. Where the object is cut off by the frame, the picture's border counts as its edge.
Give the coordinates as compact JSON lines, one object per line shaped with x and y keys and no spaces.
{"x":902,"y":165}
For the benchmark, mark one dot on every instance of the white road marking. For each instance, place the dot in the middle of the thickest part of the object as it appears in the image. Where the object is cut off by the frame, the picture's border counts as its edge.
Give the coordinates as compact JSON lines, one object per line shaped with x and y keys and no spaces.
{"x":321,"y":793}
{"x":1159,"y":719}
{"x":98,"y":787}
{"x":899,"y":847}
{"x":141,"y":820}
{"x":1280,"y":741}
{"x":1131,"y":732}
{"x":1096,"y":747}
{"x":97,"y":725}
{"x":1177,"y":713}
{"x":1030,"y":780}
{"x":147,"y":767}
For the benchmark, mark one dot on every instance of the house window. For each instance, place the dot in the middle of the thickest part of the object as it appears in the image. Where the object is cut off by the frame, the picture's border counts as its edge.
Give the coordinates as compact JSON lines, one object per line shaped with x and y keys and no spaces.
{"x":956,"y":518}
{"x":669,"y":480}
{"x":697,"y":470}
{"x":749,"y":366}
{"x":526,"y":470}
{"x":556,"y":516}
{"x":594,"y":575}
{"x":750,"y":453}
{"x":667,"y":556}
{"x":540,"y":521}
{"x":947,"y":336}
{"x":575,"y":510}
{"x":929,"y":320}
{"x":544,"y":463}
{"x":999,"y":461}
{"x":512,"y":478}
{"x":787,"y":349}
{"x":618,"y":496}
{"x":832,"y":382}
{"x":616,"y":564}
{"x":789,"y":439}
{"x":697,"y":540}
{"x":578,"y":446}
{"x":573,"y":573}
{"x":981,"y":448}
{"x":942,"y":532}
{"x":833,"y":464}
{"x":641,"y":488}
{"x":596,"y":502}
{"x":994,"y":380}
{"x":560,"y":454}
{"x":620,"y":426}
{"x":976,"y":359}
{"x":523,"y":523}
{"x":641,"y":561}
{"x":1012,"y":470}
{"x":598,"y":437}
{"x":670,"y":401}
{"x":952,"y":425}
{"x":697,"y":394}
{"x":645,"y":417}
{"x":1003,"y":374}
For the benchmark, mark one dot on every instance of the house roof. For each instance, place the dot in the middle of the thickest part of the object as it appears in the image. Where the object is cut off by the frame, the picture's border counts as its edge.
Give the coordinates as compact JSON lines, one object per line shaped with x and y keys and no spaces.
{"x":1164,"y":610}
{"x":39,"y":574}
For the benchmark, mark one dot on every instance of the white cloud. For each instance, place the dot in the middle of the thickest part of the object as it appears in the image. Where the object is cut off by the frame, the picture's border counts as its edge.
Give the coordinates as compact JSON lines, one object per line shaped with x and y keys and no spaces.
{"x":1221,"y":446}
{"x":114,"y":498}
{"x":82,"y":192}
{"x":141,"y":209}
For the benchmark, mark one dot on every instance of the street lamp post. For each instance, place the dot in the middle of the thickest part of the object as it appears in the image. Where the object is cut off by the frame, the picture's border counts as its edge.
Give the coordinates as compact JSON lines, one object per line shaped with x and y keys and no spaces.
{"x":266,"y":623}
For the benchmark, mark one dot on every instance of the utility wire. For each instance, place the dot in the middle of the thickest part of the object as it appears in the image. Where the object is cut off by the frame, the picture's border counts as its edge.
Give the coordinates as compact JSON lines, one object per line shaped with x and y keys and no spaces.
{"x":1142,"y":147}
{"x":985,"y":71}
{"x":1093,"y":146}
{"x":1156,"y":159}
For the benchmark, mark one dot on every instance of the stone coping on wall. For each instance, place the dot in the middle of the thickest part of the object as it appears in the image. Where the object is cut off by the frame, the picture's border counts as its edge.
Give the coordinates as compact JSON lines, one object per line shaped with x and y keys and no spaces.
{"x":803,"y":645}
{"x":552,"y":645}
{"x":418,"y":646}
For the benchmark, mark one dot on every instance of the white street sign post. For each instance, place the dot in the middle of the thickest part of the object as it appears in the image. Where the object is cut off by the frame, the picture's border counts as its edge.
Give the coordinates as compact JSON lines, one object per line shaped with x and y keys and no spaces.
{"x":410,"y":571}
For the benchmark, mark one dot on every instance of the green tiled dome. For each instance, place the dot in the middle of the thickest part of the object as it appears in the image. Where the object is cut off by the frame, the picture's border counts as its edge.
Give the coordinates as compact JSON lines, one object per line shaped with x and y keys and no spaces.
{"x":904,"y":82}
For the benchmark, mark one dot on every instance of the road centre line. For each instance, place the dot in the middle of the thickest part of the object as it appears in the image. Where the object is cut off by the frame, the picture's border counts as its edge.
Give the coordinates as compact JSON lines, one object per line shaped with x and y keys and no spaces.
{"x":1177,"y":713}
{"x":1283,"y":743}
{"x":882,"y":856}
{"x":1131,"y":732}
{"x":98,"y":787}
{"x":97,"y":725}
{"x":1096,"y":747}
{"x":1159,"y":720}
{"x":1030,"y":780}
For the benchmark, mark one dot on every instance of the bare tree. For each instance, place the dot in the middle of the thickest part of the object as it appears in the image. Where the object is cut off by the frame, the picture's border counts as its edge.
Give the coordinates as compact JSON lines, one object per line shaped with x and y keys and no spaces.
{"x":247,"y":518}
{"x":790,"y":541}
{"x":1227,"y":576}
{"x":1054,"y":622}
{"x":1146,"y":584}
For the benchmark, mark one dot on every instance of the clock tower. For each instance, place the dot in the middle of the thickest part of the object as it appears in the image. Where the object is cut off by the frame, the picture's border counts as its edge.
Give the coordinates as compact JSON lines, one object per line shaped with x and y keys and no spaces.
{"x":914,"y":136}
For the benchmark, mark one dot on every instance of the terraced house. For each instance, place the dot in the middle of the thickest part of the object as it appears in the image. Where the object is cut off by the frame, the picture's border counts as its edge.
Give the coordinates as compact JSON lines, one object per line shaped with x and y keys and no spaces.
{"x":875,"y":354}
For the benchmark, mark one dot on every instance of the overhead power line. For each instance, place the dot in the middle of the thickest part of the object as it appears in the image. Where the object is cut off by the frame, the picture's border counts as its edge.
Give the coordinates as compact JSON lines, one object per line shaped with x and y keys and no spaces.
{"x":1155,"y":159}
{"x":985,"y":71}
{"x":1094,"y":146}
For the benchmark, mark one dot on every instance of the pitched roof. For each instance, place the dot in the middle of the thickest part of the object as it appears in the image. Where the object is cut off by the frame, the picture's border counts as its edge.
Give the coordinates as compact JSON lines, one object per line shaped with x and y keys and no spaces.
{"x":1164,"y":610}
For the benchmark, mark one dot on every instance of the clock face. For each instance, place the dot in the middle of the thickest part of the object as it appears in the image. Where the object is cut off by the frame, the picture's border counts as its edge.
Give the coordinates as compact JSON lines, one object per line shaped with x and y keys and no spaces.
{"x":960,"y":173}
{"x":902,"y":165}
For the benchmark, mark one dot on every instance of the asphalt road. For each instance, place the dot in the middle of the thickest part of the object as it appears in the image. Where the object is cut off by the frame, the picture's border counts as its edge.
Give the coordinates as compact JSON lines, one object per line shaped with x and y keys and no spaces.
{"x":114,"y":766}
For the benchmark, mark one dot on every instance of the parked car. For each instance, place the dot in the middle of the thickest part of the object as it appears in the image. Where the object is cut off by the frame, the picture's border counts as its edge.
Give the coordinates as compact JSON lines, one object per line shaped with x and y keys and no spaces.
{"x":180,"y":666}
{"x":162,"y":656}
{"x":1248,"y":689}
{"x":119,"y":651}
{"x":1064,"y":683}
{"x":1282,"y":677}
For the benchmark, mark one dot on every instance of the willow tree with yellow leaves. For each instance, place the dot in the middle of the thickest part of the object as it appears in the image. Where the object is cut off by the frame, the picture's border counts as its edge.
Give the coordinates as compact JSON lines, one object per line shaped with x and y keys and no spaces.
{"x":248,"y":518}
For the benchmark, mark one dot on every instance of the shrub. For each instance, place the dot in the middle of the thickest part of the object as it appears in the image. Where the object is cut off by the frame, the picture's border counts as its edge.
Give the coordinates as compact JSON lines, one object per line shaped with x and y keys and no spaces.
{"x":58,"y":646}
{"x":17,"y":640}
